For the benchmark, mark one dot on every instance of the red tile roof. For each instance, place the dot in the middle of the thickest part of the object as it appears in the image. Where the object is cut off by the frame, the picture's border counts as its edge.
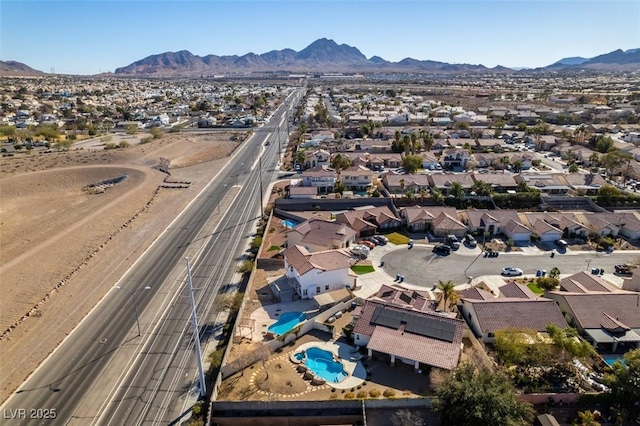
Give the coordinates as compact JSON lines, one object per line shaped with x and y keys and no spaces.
{"x":414,"y":346}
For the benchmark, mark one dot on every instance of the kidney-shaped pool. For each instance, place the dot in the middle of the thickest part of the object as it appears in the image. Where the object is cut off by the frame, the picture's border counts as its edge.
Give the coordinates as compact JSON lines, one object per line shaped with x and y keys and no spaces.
{"x":321,"y":362}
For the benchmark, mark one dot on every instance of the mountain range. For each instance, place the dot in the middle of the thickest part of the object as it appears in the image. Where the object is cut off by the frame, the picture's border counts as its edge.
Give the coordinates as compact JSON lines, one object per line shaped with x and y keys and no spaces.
{"x":326,"y":55}
{"x":16,"y":68}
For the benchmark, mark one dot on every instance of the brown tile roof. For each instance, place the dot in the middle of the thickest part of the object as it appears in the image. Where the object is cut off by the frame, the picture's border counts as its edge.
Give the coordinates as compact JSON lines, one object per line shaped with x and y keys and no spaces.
{"x":475,"y":293}
{"x":319,"y":232}
{"x":402,"y":343}
{"x":444,"y":221}
{"x":328,"y":260}
{"x":513,"y":289}
{"x":405,"y":298}
{"x":534,"y":314}
{"x":589,"y":308}
{"x":583,"y":282}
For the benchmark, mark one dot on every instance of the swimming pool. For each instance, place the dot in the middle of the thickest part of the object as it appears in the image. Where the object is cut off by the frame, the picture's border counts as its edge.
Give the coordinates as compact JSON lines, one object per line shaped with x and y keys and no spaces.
{"x":290,"y":223}
{"x":321,"y":362}
{"x":286,"y":322}
{"x":610,"y":359}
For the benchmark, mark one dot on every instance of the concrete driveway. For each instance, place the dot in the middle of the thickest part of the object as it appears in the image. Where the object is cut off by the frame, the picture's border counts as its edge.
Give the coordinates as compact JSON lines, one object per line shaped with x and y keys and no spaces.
{"x":423,"y":268}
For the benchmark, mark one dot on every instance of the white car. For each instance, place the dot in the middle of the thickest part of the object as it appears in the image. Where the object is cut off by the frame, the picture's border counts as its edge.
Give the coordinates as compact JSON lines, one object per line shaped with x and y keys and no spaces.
{"x":510,"y":271}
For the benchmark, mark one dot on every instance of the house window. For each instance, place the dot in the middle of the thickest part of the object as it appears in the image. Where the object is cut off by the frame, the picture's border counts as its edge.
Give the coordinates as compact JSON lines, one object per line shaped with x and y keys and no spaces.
{"x":326,"y":288}
{"x":490,"y":335}
{"x":318,"y":290}
{"x":304,"y":292}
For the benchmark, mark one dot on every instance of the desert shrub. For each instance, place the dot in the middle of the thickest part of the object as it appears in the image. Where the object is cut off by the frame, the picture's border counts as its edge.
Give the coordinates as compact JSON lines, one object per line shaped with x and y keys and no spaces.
{"x":245,"y":267}
{"x":333,"y":396}
{"x":374,"y":393}
{"x":389,"y":393}
{"x":361,"y":395}
{"x":349,"y":395}
{"x":110,"y":145}
{"x":124,"y":144}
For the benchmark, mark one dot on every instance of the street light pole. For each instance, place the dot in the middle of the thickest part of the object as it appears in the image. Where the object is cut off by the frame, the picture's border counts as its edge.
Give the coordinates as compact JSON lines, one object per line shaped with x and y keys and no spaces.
{"x":135,"y":304}
{"x":196,"y":332}
{"x":261,"y":195}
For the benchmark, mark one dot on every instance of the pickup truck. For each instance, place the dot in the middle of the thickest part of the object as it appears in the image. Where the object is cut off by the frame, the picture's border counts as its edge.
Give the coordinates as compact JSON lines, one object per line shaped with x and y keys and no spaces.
{"x":623,"y":269}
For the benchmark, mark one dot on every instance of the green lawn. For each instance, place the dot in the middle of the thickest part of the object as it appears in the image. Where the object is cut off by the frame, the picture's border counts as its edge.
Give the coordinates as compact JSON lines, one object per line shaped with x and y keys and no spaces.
{"x":397,"y":238}
{"x":534,"y":288}
{"x":362,"y":269}
{"x":274,"y":248}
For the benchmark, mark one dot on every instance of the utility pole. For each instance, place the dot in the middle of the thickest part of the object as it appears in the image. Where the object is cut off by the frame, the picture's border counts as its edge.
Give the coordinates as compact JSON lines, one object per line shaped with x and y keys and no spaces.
{"x":196,"y":333}
{"x":261,"y":200}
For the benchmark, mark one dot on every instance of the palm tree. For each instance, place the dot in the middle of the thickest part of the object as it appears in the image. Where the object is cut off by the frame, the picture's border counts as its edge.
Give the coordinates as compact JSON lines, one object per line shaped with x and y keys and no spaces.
{"x":339,"y":162}
{"x":402,"y":183}
{"x":594,"y":159}
{"x":437,"y":196}
{"x":406,"y":143}
{"x":448,"y":293}
{"x":482,"y":188}
{"x":414,"y":143}
{"x":555,"y":272}
{"x":517,"y":165}
{"x":457,"y":190}
{"x":504,"y":161}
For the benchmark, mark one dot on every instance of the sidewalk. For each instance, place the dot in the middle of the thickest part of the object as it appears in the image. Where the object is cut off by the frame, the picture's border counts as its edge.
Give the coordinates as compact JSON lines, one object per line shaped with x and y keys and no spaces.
{"x":369,"y":284}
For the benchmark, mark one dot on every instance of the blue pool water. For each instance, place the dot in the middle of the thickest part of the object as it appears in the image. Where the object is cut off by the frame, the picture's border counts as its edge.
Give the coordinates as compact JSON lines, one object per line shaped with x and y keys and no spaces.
{"x":286,"y":322}
{"x":299,"y":356}
{"x":611,"y":358}
{"x":289,"y":223}
{"x":322,"y":364}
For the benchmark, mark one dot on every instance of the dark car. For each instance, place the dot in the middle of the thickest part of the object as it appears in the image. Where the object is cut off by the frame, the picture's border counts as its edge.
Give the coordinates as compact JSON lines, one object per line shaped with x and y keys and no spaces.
{"x":442,"y":249}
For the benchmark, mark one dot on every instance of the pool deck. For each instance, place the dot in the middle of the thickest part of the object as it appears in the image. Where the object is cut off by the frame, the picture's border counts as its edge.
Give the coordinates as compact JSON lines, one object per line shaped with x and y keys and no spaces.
{"x":266,"y":315}
{"x":350,"y":359}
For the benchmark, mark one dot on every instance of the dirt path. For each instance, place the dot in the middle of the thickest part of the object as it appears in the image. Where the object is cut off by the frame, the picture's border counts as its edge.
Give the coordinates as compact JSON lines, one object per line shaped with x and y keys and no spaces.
{"x":68,"y":248}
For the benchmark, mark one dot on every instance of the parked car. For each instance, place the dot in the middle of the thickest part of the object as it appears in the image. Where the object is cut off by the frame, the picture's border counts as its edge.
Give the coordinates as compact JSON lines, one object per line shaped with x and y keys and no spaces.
{"x":442,"y":249}
{"x":623,"y":269}
{"x":367,"y":243}
{"x":470,"y":240}
{"x":562,"y":243}
{"x":510,"y":271}
{"x":382,"y":239}
{"x":452,"y":240}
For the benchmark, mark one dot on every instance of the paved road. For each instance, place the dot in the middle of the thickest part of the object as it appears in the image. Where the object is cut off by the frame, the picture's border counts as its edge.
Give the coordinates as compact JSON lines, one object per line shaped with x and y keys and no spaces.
{"x":103,"y":373}
{"x":422,"y":267}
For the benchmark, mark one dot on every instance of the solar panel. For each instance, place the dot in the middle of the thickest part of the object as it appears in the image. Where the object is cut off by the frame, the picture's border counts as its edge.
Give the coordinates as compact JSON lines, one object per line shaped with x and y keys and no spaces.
{"x":387,"y":317}
{"x":405,"y":298}
{"x":415,"y":295}
{"x":431,"y":327}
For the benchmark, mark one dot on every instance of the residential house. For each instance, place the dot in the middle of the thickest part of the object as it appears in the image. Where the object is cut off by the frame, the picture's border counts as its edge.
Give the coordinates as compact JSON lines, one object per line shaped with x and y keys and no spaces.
{"x":610,"y":320}
{"x":488,"y":144}
{"x":419,"y":219}
{"x":320,"y":272}
{"x":585,"y":184}
{"x":487,"y":316}
{"x":310,"y":192}
{"x":368,"y":220}
{"x":493,"y":222}
{"x":546,"y":183}
{"x":400,"y":184}
{"x":447,"y":224}
{"x":318,"y":235}
{"x":444,"y":181}
{"x":429,"y":161}
{"x":357,"y":178}
{"x":602,"y":224}
{"x":317,"y":158}
{"x":321,"y":178}
{"x":402,"y":325}
{"x":456,"y":159}
{"x":543,"y":229}
{"x":500,"y":182}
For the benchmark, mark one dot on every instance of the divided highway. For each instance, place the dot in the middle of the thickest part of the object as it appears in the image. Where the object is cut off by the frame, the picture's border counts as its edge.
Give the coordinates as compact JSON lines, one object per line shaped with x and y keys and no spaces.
{"x":104,"y":373}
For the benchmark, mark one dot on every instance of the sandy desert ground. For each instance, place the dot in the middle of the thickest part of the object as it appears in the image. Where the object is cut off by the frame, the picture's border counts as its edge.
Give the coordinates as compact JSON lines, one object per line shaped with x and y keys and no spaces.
{"x":63,"y":247}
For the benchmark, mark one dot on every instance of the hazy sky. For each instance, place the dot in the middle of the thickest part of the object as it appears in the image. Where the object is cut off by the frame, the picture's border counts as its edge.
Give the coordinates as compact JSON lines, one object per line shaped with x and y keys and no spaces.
{"x":92,"y":36}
